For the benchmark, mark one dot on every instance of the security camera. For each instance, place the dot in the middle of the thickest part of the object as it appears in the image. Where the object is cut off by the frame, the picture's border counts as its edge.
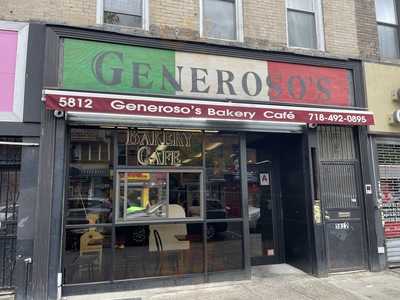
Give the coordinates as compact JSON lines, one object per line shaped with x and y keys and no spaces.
{"x":312,"y":125}
{"x":58,"y":113}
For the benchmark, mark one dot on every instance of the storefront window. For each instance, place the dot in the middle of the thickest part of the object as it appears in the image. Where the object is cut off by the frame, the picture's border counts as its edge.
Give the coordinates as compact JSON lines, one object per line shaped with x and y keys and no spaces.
{"x":144,"y":214}
{"x":225,"y":251}
{"x":223,"y":193}
{"x":158,"y":250}
{"x":87,"y":255}
{"x":90,"y":177}
{"x":158,"y":194}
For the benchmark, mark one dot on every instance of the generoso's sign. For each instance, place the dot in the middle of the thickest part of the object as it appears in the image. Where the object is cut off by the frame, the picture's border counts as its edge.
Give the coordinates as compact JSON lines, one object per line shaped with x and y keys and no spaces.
{"x":104,"y":67}
{"x":205,"y":110}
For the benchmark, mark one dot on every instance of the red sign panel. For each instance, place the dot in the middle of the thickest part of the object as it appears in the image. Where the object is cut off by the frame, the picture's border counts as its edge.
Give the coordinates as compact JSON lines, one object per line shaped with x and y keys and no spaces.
{"x":168,"y":108}
{"x":309,"y":85}
{"x":392,"y":229}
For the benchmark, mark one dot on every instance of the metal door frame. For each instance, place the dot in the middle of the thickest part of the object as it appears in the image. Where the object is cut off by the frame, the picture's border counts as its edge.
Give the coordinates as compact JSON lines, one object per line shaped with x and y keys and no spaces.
{"x":356,"y":162}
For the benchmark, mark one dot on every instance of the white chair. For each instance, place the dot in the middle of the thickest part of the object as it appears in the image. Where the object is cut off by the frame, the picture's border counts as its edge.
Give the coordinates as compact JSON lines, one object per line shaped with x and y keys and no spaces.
{"x":169,"y":233}
{"x":166,"y":240}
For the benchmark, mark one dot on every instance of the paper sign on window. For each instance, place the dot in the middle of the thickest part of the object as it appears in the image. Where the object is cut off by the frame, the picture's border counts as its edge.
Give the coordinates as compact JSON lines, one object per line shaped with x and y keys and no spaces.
{"x":264,"y":179}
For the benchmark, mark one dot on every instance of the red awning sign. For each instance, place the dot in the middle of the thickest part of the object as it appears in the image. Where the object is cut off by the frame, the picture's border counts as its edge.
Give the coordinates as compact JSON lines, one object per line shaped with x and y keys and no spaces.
{"x":206,"y":110}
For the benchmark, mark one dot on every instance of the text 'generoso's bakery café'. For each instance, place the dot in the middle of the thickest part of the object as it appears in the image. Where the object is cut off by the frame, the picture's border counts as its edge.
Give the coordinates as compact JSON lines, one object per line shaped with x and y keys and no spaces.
{"x":197,"y":165}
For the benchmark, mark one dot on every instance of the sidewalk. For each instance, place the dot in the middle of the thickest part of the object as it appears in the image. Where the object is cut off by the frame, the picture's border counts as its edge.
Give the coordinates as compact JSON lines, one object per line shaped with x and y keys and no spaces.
{"x":275,"y":282}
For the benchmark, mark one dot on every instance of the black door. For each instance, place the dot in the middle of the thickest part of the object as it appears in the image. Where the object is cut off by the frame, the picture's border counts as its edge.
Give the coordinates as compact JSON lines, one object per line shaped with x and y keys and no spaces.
{"x":341,"y":199}
{"x":262,"y":206}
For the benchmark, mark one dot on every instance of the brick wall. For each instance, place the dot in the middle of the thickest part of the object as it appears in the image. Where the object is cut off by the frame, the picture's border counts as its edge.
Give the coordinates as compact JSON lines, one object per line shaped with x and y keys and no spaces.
{"x":340,"y":27}
{"x":264,"y":23}
{"x":349,"y":25}
{"x":367,"y":34}
{"x":73,"y":12}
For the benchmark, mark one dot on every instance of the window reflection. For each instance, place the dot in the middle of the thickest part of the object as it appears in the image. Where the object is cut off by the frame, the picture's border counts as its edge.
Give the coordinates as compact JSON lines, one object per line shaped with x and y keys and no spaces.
{"x":157,"y":250}
{"x":225,"y":251}
{"x":155,"y":195}
{"x":90,"y":177}
{"x":87,"y":255}
{"x":223,"y":177}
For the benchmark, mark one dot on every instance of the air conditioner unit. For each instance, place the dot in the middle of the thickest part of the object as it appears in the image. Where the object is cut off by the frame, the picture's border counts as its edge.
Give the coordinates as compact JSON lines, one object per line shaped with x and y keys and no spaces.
{"x":394,"y":118}
{"x":396,"y":95}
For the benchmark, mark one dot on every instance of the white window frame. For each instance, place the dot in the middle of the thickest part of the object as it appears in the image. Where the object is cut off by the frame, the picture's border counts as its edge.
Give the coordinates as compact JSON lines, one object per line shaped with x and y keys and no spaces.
{"x":22,"y":29}
{"x":145,"y":15}
{"x":319,"y":26}
{"x":392,"y":25}
{"x":239,"y":22}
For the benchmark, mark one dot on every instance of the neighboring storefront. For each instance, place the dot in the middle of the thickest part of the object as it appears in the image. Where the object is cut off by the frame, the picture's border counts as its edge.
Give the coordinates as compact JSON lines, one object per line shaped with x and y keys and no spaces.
{"x":168,"y":166}
{"x":20,"y":86}
{"x":383,"y":94}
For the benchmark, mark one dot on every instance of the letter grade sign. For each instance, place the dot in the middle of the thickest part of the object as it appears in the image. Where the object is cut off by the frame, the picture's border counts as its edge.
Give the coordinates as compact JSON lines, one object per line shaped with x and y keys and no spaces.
{"x":151,"y":107}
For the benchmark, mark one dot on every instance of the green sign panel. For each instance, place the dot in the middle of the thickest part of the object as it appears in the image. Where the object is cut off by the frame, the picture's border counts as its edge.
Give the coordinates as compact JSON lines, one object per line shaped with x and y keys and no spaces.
{"x":107,"y":67}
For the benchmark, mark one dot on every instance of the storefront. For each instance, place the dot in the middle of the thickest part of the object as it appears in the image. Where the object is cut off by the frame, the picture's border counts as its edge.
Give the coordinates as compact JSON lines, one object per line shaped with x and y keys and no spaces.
{"x":173,"y":167}
{"x":383,"y":99}
{"x":20,"y":87}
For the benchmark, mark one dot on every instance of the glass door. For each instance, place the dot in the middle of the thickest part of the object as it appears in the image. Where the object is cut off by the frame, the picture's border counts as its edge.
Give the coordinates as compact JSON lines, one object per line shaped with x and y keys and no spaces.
{"x":262,"y":205}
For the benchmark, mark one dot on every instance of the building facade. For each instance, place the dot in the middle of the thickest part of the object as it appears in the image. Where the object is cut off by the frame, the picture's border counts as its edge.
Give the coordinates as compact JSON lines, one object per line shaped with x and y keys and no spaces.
{"x":185,"y":141}
{"x":21,"y":68}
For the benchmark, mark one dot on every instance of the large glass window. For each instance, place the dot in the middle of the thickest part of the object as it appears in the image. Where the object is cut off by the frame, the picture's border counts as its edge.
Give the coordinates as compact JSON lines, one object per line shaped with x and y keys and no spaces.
{"x":223,"y":193}
{"x":87,"y":255}
{"x":225,"y":251}
{"x":158,"y":250}
{"x":160,"y":194}
{"x":388,"y":28}
{"x":137,"y":204}
{"x":89,"y":194}
{"x":304,"y":24}
{"x":220,"y":19}
{"x":124,"y":12}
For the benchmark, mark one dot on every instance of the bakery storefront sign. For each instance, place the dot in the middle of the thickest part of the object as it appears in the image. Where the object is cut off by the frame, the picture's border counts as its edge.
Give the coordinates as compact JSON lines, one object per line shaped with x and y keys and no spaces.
{"x":116,"y":68}
{"x":159,"y":148}
{"x":152,"y":107}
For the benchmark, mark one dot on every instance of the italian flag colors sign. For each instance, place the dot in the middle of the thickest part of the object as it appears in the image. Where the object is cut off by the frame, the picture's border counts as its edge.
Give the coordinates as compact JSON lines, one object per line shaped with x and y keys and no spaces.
{"x":117,"y":68}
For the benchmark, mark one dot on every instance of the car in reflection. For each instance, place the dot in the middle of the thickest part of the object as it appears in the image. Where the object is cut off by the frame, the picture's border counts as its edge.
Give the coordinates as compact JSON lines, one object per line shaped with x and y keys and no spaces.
{"x":79,"y":208}
{"x":254,"y":217}
{"x":8,"y":213}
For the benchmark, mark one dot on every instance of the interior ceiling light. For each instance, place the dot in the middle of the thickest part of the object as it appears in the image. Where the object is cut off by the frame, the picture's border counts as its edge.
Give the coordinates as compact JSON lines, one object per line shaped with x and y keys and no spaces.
{"x":211,"y":131}
{"x":213,"y":146}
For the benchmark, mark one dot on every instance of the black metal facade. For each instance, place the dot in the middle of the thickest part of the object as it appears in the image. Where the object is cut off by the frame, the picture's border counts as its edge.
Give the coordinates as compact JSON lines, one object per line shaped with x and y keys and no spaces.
{"x":10,"y":163}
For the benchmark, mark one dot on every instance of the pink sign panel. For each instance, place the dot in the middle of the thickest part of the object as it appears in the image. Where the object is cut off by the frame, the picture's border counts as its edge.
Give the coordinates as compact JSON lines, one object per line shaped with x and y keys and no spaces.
{"x":208,"y":110}
{"x":8,"y":59}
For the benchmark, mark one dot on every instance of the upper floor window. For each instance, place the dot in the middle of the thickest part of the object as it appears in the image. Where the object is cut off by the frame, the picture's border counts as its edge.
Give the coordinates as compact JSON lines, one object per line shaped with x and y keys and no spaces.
{"x":132,"y":13}
{"x":221,"y":19}
{"x":304,"y":22}
{"x":388,"y":28}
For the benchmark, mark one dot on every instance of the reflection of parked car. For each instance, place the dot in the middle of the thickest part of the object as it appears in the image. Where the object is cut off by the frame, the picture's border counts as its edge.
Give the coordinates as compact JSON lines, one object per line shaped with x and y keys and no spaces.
{"x":254,"y":216}
{"x":79,"y":208}
{"x":214,"y":210}
{"x":8,"y":213}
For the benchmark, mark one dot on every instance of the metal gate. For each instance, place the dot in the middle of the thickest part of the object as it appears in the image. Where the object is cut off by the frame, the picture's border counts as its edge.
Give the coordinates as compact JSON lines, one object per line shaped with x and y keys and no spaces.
{"x":389,"y":184}
{"x":341,"y":198}
{"x":10,"y":159}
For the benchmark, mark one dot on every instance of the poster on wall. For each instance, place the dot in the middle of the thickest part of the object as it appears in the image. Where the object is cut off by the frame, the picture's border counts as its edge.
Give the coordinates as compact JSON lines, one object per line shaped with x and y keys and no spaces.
{"x":13,"y":45}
